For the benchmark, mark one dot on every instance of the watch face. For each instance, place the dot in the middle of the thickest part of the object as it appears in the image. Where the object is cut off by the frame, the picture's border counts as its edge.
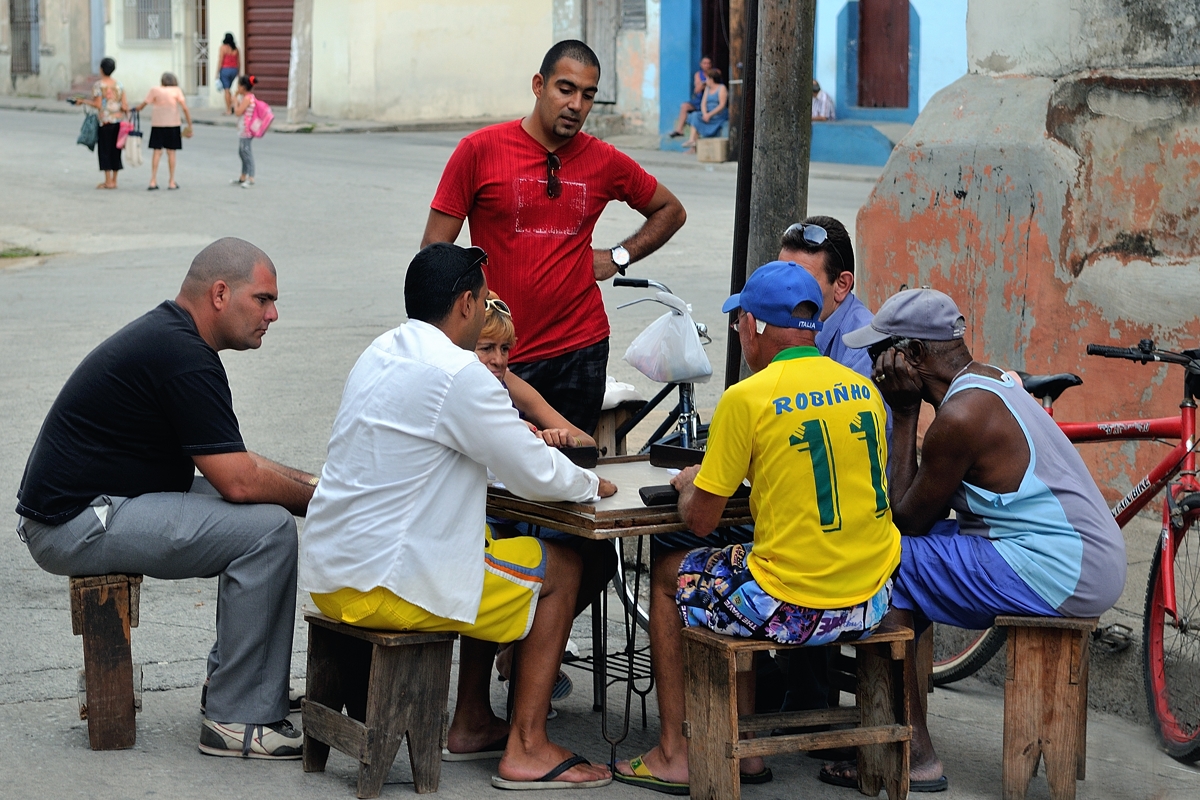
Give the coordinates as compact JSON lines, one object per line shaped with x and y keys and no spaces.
{"x":620,"y":256}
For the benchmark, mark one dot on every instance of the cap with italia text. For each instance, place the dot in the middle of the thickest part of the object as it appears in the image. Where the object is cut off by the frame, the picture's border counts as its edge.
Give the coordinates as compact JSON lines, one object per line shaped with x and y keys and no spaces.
{"x":773,"y":293}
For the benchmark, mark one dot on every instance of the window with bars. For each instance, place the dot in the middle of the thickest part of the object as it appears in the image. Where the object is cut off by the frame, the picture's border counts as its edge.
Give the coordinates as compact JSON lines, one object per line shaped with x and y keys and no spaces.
{"x":147,"y":19}
{"x":633,"y":14}
{"x":25,"y":32}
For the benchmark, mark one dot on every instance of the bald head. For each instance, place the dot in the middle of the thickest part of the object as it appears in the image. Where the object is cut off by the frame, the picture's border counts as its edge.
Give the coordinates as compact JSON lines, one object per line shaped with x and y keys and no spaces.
{"x":230,"y":259}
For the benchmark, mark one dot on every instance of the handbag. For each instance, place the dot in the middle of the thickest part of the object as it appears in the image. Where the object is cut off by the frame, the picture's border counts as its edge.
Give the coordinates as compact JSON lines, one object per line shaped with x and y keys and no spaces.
{"x":133,"y":141}
{"x":89,"y":132}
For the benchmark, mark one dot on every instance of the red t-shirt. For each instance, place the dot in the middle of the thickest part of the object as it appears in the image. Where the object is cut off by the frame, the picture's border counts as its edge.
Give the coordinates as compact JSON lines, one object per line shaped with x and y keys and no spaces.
{"x":540,"y":249}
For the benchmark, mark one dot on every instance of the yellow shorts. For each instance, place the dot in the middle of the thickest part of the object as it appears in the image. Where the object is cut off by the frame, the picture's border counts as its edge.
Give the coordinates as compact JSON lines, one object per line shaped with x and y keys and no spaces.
{"x":512,"y":579}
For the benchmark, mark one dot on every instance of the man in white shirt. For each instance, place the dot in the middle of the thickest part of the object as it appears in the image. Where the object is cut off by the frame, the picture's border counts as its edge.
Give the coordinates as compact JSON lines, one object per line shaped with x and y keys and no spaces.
{"x":396,"y":539}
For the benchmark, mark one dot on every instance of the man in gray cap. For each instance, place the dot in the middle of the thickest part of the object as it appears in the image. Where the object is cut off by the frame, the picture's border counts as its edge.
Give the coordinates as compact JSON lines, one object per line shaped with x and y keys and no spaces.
{"x":1031,"y":534}
{"x":808,"y":434}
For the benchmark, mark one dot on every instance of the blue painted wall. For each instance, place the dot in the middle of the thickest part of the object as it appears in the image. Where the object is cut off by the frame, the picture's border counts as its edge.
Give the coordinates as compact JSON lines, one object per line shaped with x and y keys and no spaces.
{"x":938,"y":54}
{"x":678,"y":56}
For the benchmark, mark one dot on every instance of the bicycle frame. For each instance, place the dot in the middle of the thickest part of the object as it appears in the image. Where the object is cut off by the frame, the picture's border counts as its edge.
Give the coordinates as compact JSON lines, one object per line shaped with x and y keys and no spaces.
{"x":1181,"y":460}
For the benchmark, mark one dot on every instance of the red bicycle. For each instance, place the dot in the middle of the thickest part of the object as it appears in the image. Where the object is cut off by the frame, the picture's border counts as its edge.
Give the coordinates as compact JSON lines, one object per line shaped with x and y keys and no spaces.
{"x":1171,"y":622}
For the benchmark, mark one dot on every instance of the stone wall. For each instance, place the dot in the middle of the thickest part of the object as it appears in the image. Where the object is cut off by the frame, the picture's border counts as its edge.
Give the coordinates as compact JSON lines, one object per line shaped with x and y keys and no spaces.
{"x":1055,"y":193}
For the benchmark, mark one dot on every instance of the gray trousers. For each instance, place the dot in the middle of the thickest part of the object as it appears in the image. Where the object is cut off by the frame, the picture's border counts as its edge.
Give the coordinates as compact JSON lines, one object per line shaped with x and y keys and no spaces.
{"x":251,"y":548}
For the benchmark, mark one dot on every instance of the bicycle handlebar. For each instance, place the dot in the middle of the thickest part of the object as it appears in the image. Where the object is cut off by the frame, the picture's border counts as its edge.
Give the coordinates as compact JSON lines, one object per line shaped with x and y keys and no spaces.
{"x":1144,"y":353}
{"x":636,"y":283}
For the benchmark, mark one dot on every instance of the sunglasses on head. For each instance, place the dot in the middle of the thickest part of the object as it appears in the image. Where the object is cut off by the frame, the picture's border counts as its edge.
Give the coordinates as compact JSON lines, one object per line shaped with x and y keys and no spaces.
{"x":477,"y":258}
{"x":815,"y":236}
{"x":553,"y":184}
{"x":879,"y":348}
{"x":498,"y":305}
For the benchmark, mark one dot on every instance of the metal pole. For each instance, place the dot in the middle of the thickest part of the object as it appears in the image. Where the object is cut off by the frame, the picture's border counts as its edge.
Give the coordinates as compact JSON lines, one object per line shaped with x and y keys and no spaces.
{"x":741,"y":213}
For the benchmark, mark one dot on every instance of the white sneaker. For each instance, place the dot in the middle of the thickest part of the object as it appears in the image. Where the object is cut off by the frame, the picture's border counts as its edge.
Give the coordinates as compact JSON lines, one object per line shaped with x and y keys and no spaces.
{"x":247,"y":184}
{"x":278,"y":740}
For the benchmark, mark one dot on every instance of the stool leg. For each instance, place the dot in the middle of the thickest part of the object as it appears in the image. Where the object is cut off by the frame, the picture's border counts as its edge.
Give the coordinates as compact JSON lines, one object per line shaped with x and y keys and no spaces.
{"x":1061,"y":725}
{"x":1081,"y":742}
{"x":430,"y":689}
{"x":710,"y":693}
{"x":324,"y":686}
{"x":408,"y":692}
{"x":881,"y":701}
{"x":108,"y":666}
{"x":1023,"y":709}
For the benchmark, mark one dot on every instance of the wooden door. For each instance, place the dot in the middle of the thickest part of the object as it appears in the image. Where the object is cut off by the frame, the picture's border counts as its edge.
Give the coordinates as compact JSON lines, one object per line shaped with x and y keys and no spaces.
{"x":603,"y":22}
{"x":269,"y":47}
{"x":883,"y":53}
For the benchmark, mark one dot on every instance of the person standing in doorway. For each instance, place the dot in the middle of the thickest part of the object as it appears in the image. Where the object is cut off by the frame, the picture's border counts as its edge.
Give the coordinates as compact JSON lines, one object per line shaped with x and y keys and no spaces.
{"x":823,"y":109}
{"x":108,"y":98}
{"x":533,"y":190}
{"x":245,"y":112}
{"x":230,"y":60}
{"x":165,"y":131}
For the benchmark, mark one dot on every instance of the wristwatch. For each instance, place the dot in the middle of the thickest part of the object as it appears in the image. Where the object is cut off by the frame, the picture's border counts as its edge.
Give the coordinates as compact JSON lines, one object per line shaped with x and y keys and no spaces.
{"x":620,"y":257}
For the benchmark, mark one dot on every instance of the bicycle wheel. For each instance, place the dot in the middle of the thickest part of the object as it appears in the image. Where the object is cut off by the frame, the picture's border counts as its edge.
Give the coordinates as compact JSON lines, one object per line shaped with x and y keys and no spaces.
{"x":959,"y":652}
{"x":1171,"y":653}
{"x":632,"y":583}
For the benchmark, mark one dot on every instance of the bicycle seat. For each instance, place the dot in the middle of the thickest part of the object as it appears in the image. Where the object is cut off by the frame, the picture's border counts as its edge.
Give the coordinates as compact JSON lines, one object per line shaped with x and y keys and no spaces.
{"x":1043,"y":386}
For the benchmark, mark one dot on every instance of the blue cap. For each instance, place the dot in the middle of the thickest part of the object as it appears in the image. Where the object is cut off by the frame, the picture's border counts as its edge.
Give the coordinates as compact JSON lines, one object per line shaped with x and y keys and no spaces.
{"x":774,"y":291}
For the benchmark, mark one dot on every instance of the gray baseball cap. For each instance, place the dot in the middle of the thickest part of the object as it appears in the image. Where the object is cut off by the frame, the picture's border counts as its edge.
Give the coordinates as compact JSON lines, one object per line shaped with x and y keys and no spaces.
{"x":914,"y":314}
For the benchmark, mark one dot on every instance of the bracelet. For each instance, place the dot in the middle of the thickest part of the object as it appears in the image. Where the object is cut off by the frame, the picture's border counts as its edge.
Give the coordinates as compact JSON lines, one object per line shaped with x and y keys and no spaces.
{"x":313,"y":481}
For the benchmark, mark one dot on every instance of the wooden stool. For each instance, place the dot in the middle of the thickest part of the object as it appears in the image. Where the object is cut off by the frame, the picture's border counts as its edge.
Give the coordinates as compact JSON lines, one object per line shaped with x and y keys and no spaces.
{"x":881,"y":715}
{"x":611,"y":419}
{"x":103,"y":609}
{"x":1045,"y":702}
{"x":390,"y":683}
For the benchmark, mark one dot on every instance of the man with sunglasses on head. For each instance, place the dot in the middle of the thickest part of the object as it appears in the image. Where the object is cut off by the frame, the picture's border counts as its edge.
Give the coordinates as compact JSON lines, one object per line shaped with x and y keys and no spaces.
{"x":822,"y":246}
{"x":1032,"y":534}
{"x":533,"y":190}
{"x":396,"y":537}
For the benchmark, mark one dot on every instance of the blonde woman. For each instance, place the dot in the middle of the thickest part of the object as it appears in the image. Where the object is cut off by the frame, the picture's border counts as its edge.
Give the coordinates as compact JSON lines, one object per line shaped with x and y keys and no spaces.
{"x":165,"y":131}
{"x":495,"y":341}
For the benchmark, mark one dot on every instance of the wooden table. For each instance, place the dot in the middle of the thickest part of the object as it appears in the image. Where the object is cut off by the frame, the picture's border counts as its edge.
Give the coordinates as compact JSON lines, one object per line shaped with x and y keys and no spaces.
{"x":614,"y":518}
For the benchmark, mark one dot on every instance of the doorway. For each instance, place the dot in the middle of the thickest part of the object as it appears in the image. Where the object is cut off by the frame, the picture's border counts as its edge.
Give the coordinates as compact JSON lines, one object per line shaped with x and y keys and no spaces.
{"x":269,"y":48}
{"x":883,"y":53}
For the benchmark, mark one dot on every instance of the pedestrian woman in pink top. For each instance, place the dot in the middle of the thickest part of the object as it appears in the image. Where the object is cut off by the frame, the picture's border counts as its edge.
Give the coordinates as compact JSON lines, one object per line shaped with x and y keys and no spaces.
{"x":165,"y":131}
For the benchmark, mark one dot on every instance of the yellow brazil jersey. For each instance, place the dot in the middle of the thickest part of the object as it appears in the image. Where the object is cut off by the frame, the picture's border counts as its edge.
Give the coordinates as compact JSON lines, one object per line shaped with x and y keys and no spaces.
{"x":809,"y":434}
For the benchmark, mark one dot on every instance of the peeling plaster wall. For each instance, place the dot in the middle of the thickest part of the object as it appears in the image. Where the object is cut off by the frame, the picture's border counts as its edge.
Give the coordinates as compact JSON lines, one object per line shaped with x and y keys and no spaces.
{"x":1057,"y":213}
{"x":1056,"y":37}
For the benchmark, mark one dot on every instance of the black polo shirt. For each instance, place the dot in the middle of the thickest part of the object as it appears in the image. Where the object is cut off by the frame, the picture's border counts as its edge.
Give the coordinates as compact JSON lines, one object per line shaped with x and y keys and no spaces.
{"x":130,"y":418}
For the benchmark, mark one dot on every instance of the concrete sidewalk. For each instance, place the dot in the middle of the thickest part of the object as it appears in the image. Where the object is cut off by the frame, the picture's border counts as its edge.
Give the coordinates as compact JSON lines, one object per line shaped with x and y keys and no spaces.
{"x":646,"y":147}
{"x":341,"y":216}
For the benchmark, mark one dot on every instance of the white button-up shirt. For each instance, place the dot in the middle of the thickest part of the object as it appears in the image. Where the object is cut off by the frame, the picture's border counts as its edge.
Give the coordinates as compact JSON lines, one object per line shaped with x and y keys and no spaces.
{"x":402,"y":495}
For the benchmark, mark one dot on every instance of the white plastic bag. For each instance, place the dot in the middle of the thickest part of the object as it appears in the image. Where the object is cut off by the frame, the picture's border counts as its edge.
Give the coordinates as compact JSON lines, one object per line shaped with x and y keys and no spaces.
{"x":669,"y":350}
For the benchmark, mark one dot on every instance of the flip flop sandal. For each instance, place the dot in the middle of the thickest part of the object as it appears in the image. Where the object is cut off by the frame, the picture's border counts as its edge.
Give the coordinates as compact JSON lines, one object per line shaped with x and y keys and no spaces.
{"x":493,"y":750}
{"x":766,"y":776}
{"x":548,"y":781}
{"x":830,"y":773}
{"x":151,"y":188}
{"x":643,"y":777}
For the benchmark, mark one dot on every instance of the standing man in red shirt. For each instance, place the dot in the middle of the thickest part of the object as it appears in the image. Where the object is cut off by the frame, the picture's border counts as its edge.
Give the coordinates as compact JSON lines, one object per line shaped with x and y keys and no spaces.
{"x":533,"y":189}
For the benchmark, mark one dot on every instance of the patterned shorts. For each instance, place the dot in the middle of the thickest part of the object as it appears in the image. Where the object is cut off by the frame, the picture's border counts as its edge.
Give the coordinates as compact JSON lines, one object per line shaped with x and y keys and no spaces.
{"x":717,"y":591}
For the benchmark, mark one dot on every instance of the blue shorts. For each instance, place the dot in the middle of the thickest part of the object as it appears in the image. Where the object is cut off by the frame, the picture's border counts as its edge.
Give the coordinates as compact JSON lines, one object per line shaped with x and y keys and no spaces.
{"x":717,"y":591}
{"x":959,"y":579}
{"x":227,"y":76}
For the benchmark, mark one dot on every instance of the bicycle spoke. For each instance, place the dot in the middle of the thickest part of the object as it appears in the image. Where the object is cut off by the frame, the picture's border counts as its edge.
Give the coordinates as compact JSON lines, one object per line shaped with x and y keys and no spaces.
{"x":1172,"y":667}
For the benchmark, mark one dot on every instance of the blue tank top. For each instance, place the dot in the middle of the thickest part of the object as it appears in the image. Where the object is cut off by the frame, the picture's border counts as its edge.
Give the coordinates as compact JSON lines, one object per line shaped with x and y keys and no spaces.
{"x":1055,"y":531}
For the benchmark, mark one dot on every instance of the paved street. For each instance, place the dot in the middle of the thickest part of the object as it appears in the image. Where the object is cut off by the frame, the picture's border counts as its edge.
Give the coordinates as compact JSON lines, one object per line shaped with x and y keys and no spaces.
{"x":341,"y":215}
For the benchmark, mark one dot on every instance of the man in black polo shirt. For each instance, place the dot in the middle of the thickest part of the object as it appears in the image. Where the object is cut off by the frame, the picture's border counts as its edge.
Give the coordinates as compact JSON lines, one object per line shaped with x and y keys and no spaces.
{"x":109,"y":487}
